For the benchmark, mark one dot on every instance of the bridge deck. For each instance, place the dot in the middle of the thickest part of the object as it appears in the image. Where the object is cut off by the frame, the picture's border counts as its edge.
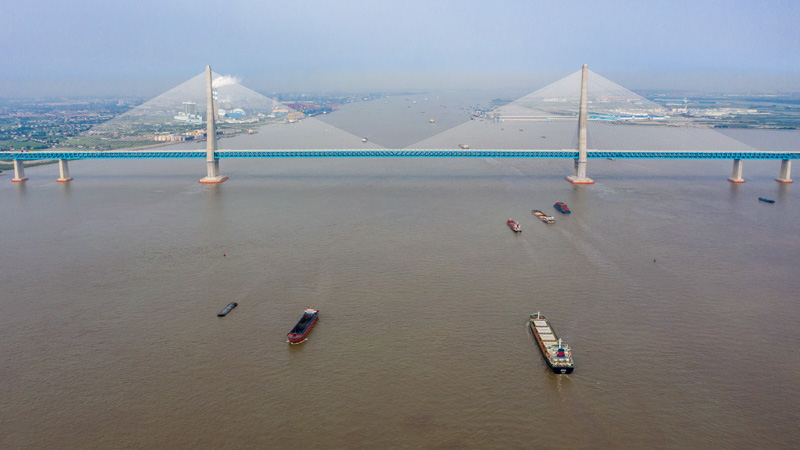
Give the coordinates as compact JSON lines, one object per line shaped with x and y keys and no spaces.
{"x":387,"y":153}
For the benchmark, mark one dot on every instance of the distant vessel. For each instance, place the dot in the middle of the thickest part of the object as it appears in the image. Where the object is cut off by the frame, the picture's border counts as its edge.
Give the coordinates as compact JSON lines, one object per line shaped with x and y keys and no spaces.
{"x":556,"y":354}
{"x":252,"y":131}
{"x":431,"y":121}
{"x":515,"y":226}
{"x":363,"y":139}
{"x":543,"y":217}
{"x":768,"y":200}
{"x":303,"y":326}
{"x":227,"y":309}
{"x":464,"y":146}
{"x":562,"y":207}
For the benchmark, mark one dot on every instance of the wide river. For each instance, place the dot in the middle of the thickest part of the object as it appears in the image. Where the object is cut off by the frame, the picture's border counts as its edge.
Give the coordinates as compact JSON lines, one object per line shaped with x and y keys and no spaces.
{"x":678,"y":291}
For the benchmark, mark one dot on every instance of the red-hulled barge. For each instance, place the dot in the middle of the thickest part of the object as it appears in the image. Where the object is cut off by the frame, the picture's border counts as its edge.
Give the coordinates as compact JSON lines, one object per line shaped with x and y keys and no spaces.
{"x":303,"y":326}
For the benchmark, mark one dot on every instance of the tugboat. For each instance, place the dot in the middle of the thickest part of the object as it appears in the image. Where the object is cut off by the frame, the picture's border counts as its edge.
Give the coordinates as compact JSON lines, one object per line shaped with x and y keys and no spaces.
{"x":556,"y":354}
{"x":303,"y":326}
{"x":515,"y":226}
{"x":227,"y":309}
{"x":543,"y":217}
{"x":562,"y":207}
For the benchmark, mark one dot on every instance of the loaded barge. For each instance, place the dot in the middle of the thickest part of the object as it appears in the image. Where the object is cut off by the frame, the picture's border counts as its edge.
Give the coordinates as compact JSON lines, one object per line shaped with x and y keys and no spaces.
{"x":556,"y":354}
{"x":543,"y":217}
{"x":562,"y":207}
{"x":303,"y":326}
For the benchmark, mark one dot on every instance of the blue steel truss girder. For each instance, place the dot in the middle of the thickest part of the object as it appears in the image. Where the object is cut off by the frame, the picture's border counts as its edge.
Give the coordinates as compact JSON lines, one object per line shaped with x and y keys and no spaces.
{"x":692,"y":155}
{"x":388,"y":153}
{"x":73,"y":155}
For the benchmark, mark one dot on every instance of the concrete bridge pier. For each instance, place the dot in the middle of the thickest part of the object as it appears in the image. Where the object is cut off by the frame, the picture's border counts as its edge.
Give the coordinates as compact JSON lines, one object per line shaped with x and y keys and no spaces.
{"x":736,"y":176}
{"x":19,"y":172}
{"x":580,"y":163}
{"x":786,"y":172}
{"x":63,"y":171}
{"x":212,"y":162}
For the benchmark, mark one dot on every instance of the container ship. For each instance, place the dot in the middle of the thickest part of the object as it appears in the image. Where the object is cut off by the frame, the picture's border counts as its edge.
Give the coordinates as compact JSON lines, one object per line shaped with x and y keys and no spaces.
{"x":556,"y":354}
{"x":562,"y":207}
{"x":303,"y":326}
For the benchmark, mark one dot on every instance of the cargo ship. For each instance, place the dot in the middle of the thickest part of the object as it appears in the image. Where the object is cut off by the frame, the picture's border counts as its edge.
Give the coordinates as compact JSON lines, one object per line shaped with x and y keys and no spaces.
{"x":562,"y":207}
{"x":543,"y":217}
{"x":515,"y":226}
{"x":556,"y":354}
{"x":303,"y":326}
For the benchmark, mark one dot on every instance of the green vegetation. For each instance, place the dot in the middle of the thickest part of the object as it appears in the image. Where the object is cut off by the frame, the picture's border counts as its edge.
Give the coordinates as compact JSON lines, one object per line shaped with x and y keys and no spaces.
{"x":4,"y":166}
{"x":9,"y":144}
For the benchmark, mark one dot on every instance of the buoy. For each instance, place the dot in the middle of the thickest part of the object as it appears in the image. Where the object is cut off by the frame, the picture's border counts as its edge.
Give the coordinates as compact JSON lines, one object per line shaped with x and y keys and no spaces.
{"x":224,"y":255}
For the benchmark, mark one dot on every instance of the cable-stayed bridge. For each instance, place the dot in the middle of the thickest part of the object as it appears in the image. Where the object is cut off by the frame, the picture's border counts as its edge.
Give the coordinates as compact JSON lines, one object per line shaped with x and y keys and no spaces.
{"x":547,"y":111}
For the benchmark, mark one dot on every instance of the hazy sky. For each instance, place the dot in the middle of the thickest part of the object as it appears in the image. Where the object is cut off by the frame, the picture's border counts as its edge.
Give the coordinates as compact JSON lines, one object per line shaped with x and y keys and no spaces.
{"x":148,"y":46}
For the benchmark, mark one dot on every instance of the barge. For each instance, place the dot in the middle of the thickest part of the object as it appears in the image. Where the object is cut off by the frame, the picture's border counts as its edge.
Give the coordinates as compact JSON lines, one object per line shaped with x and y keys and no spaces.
{"x":556,"y":354}
{"x":303,"y":326}
{"x":562,"y":207}
{"x":543,"y":217}
{"x":515,"y":226}
{"x":227,"y":309}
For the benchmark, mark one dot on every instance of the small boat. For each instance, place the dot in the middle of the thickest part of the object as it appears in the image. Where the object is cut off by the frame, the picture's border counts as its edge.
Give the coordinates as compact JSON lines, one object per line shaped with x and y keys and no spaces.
{"x":464,"y":146}
{"x":556,"y":354}
{"x":363,"y":139}
{"x":515,"y":226}
{"x":562,"y":207}
{"x":768,"y":200}
{"x":227,"y":309}
{"x":432,"y":121}
{"x":303,"y":326}
{"x":543,"y":217}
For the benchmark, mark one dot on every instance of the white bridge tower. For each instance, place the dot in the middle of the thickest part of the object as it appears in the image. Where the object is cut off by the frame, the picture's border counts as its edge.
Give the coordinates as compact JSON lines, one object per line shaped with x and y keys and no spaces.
{"x":212,"y":162}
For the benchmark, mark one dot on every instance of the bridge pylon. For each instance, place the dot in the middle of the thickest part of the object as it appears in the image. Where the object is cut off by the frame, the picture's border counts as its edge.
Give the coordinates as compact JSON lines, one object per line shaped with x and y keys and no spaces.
{"x":580,"y":163}
{"x":212,"y":162}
